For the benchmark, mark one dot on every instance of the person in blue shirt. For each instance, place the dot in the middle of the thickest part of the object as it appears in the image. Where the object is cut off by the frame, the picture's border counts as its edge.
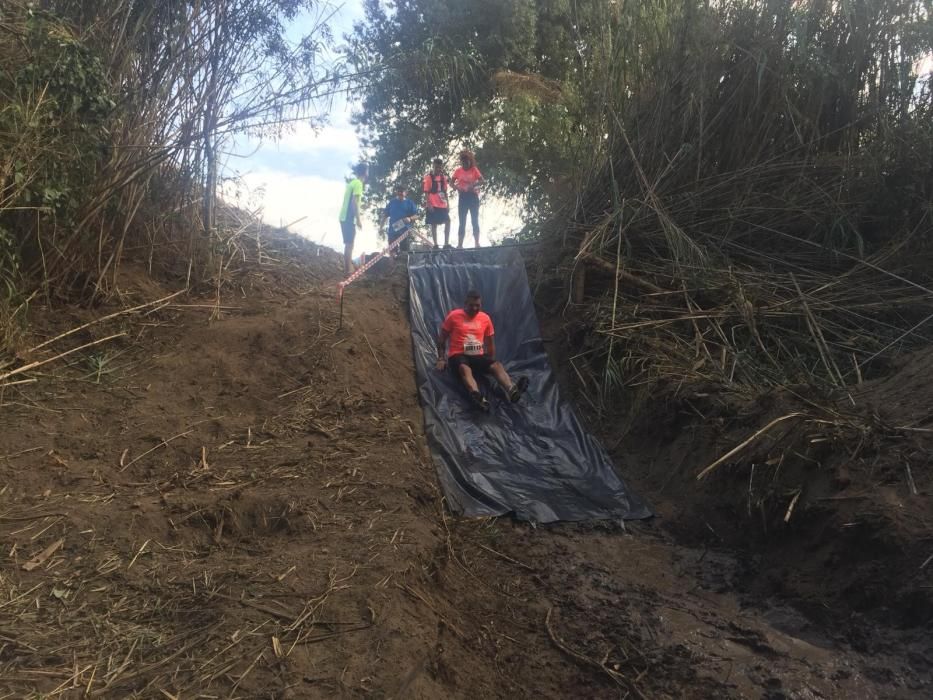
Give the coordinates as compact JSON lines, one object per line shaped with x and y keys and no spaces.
{"x":401,"y":213}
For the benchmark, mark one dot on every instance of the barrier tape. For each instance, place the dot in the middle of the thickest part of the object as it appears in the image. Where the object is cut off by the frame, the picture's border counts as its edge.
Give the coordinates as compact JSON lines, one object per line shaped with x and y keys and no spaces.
{"x":360,"y":271}
{"x":421,"y":237}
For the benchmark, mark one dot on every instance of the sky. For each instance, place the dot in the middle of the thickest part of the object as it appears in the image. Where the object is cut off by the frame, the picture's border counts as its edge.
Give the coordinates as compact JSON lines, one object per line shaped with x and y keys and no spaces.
{"x":299,"y":180}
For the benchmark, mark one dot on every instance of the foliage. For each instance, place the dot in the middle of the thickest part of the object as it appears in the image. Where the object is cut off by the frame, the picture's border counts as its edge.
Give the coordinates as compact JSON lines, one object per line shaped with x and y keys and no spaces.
{"x":690,"y":153}
{"x":53,"y":123}
{"x":537,"y":87}
{"x":113,"y":110}
{"x":442,"y":75}
{"x":762,"y":167}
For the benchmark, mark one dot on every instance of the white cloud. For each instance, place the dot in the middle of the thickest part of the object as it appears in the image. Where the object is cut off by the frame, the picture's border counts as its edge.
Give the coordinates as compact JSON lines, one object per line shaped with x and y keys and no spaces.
{"x":308,"y":204}
{"x":303,"y":139}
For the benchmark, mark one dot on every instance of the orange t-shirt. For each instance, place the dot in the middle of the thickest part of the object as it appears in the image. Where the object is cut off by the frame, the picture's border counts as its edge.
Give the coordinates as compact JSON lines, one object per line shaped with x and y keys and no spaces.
{"x":466,"y":179}
{"x":467,"y":335}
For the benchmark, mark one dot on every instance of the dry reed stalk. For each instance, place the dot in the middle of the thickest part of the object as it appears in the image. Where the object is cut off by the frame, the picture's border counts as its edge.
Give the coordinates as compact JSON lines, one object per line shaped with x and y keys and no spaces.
{"x":40,"y":363}
{"x":586,"y":661}
{"x":745,"y":443}
{"x":511,"y":83}
{"x":122,"y":312}
{"x":164,"y":443}
{"x":831,"y":368}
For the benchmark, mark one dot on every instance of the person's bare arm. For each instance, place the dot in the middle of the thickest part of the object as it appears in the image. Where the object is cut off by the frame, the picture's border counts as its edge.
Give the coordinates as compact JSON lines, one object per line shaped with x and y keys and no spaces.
{"x":441,"y":350}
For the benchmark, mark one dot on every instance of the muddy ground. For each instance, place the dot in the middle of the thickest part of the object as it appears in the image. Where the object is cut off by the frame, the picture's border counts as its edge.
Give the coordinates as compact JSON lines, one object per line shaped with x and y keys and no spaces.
{"x":236,"y":500}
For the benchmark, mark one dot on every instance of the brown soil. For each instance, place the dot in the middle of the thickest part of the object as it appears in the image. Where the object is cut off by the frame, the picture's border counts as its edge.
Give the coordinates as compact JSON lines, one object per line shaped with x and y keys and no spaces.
{"x":246,"y":507}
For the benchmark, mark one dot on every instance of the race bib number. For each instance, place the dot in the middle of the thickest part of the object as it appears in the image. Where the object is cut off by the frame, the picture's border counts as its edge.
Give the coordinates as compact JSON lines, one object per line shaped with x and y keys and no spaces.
{"x":399,"y":225}
{"x":442,"y":197}
{"x":471,"y":346}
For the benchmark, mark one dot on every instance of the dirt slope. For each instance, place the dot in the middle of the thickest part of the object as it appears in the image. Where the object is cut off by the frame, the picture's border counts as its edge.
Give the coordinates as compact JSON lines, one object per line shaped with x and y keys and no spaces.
{"x":238,"y":502}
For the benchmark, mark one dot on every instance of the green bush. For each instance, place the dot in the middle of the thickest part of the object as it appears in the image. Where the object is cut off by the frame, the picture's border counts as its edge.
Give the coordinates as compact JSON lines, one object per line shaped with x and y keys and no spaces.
{"x":53,"y":125}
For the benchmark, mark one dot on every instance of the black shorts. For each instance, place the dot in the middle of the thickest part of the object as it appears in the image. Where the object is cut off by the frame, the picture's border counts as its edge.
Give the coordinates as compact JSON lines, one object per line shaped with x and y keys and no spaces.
{"x":348,"y":228}
{"x":438,"y":216}
{"x":478,"y":363}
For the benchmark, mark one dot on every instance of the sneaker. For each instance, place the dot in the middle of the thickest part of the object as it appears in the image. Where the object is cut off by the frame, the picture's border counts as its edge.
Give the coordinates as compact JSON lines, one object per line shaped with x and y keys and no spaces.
{"x":479,"y":400}
{"x":519,"y":388}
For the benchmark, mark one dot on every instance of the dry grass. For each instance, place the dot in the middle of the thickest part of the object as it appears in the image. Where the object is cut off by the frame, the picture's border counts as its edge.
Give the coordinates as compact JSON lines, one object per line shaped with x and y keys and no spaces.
{"x":513,"y":84}
{"x":736,"y":220}
{"x":160,"y":629}
{"x":748,"y":317}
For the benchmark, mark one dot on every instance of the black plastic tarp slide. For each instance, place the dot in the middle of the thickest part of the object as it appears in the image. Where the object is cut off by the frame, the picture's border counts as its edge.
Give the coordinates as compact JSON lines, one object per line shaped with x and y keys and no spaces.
{"x":531,"y":459}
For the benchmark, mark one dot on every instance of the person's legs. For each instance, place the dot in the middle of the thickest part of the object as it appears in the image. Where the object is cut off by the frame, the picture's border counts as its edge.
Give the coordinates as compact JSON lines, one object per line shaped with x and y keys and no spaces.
{"x":434,"y":234}
{"x":498,"y":371}
{"x":348,"y":229}
{"x":513,"y":390}
{"x":463,"y":367}
{"x":474,"y":216}
{"x":462,"y":209}
{"x":447,"y":231}
{"x":466,"y":376}
{"x":468,"y":367}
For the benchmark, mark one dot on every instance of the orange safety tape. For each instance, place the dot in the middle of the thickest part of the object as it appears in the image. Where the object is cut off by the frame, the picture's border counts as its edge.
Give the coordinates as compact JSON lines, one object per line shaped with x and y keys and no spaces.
{"x":362,"y":270}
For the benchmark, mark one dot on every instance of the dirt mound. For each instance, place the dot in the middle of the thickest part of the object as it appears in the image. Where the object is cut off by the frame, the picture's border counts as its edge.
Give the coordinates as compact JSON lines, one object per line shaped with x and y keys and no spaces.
{"x":903,"y":400}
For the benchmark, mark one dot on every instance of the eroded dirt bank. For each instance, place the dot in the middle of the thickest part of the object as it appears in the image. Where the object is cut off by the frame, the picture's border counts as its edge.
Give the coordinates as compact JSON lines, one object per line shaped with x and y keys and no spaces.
{"x":238,"y":502}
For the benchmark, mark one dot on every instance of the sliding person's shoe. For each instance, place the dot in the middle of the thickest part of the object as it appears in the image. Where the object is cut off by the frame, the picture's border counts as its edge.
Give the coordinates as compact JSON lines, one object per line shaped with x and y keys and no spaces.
{"x":518,"y":388}
{"x":479,"y":400}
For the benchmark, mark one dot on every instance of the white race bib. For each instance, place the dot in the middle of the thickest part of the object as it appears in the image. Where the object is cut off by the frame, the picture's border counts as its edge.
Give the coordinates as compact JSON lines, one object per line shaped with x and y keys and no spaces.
{"x":399,"y":225}
{"x":442,"y":196}
{"x":471,"y":346}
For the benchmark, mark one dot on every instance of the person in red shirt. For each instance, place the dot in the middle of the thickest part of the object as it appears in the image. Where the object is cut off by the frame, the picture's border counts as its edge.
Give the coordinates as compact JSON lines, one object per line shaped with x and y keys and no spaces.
{"x":467,"y":179}
{"x":467,"y":343}
{"x":435,"y":186}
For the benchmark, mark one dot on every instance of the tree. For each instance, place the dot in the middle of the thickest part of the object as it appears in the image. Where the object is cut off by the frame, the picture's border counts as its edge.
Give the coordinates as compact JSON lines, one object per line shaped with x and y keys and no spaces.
{"x":121,"y":94}
{"x":496,"y":76}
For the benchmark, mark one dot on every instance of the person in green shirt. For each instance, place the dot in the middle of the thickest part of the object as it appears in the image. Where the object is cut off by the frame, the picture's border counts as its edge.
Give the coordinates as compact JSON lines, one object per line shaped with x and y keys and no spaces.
{"x":350,"y":213}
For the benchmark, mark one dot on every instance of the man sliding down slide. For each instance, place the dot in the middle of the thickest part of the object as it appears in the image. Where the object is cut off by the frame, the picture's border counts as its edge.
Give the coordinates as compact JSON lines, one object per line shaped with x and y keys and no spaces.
{"x":473,"y":350}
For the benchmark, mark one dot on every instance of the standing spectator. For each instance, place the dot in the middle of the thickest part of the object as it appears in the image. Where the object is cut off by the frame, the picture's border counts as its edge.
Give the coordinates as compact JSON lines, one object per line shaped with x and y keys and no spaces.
{"x":401,"y":213}
{"x":350,"y":213}
{"x":435,"y":188}
{"x":467,"y":180}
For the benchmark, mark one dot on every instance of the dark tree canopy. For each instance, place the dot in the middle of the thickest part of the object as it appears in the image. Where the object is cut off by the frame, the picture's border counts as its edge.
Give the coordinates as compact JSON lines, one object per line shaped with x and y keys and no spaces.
{"x":497,"y":77}
{"x":544,"y":91}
